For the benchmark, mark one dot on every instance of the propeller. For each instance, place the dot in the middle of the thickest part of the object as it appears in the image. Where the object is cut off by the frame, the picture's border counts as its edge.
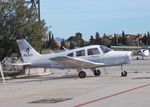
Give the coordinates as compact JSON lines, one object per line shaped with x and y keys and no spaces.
{"x":2,"y":74}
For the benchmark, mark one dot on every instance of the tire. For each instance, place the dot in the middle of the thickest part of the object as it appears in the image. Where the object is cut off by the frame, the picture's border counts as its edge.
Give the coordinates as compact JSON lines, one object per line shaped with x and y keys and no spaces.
{"x":124,"y":74}
{"x":82,"y":74}
{"x":97,"y":72}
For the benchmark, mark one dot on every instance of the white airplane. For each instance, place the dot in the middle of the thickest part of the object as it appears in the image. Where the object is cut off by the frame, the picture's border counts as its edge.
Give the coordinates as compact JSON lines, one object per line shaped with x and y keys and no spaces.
{"x":143,"y":52}
{"x":89,"y":57}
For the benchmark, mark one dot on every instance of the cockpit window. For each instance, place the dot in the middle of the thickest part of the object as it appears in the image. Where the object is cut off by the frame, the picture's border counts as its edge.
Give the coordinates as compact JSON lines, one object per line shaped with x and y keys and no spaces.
{"x":70,"y":54}
{"x":105,"y":49}
{"x":80,"y":53}
{"x":93,"y":51}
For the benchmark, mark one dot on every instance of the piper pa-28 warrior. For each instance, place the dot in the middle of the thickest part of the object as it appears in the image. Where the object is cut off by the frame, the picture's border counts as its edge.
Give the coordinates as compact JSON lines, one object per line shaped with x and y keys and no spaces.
{"x":89,"y":57}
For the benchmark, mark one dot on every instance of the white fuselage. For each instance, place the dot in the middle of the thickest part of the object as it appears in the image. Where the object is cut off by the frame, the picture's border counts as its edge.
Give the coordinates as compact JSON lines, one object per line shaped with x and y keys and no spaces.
{"x":110,"y":58}
{"x":144,"y":52}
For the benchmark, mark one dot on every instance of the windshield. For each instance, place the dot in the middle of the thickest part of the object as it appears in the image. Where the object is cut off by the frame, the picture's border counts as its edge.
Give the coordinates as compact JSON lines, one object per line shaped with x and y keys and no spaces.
{"x":105,"y":49}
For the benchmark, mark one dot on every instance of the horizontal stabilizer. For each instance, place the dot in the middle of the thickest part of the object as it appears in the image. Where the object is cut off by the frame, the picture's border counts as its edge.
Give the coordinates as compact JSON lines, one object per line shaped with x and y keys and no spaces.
{"x":65,"y":48}
{"x":19,"y":64}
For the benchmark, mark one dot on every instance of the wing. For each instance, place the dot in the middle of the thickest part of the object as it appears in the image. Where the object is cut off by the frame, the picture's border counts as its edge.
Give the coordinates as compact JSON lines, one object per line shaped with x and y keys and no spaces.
{"x":19,"y":64}
{"x":76,"y":62}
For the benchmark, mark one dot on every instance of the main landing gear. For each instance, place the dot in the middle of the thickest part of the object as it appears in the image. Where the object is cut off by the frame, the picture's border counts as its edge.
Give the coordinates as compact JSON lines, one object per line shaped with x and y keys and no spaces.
{"x":123,"y":73}
{"x":97,"y":72}
{"x":82,"y":73}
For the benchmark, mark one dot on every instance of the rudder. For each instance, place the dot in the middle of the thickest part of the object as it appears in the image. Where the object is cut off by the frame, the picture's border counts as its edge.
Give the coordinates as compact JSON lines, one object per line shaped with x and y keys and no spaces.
{"x":26,"y":50}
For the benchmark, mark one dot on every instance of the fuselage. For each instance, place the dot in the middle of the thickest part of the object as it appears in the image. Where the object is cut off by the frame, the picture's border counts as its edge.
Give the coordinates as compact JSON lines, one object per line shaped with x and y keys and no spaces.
{"x":144,"y":52}
{"x":101,"y":54}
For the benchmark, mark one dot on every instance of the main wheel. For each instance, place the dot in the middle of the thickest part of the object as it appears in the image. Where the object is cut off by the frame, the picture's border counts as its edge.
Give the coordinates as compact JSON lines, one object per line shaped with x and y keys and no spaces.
{"x":82,"y":74}
{"x":124,"y":74}
{"x":97,"y":72}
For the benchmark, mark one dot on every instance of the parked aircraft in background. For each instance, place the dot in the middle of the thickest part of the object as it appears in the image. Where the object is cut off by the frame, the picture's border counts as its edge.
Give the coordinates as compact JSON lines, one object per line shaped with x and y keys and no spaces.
{"x":89,"y":57}
{"x":143,"y":52}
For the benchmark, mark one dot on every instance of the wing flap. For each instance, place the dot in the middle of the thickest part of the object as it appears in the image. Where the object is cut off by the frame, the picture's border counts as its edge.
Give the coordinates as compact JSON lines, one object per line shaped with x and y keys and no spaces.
{"x":76,"y":62}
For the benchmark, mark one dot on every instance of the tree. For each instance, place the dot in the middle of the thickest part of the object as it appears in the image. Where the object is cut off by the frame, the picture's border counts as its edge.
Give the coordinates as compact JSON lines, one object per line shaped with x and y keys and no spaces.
{"x":19,"y":21}
{"x":124,"y":38}
{"x":120,"y":40}
{"x":72,"y":45}
{"x":49,"y":40}
{"x":52,"y":43}
{"x":105,"y":40}
{"x":148,"y":38}
{"x":92,"y":42}
{"x":97,"y":39}
{"x":123,"y":33}
{"x":144,"y":40}
{"x":82,"y":43}
{"x":76,"y":40}
{"x":63,"y":44}
{"x":114,"y":40}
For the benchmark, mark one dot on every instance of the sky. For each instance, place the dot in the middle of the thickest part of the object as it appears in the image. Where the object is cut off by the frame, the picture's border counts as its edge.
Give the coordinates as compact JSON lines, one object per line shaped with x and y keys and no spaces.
{"x":67,"y":17}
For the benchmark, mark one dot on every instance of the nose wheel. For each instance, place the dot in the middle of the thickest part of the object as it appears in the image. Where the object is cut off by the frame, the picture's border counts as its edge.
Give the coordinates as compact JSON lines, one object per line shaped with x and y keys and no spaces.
{"x":123,"y":73}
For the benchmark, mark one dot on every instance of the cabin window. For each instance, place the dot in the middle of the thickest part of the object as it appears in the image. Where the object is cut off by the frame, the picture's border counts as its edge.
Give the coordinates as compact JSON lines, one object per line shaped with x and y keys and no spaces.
{"x":80,"y":53}
{"x":93,"y":51}
{"x":70,"y":54}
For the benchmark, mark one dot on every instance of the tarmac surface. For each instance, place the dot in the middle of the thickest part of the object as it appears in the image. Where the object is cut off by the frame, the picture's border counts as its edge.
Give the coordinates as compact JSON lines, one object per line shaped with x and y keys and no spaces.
{"x":65,"y":89}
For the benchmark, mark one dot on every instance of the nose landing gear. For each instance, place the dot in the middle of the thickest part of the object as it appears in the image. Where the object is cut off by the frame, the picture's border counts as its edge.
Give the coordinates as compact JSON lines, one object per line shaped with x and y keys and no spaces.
{"x":123,"y":73}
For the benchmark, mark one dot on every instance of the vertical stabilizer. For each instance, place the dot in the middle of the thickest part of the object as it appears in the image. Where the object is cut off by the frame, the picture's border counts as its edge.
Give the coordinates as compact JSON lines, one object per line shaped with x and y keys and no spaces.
{"x":26,"y":50}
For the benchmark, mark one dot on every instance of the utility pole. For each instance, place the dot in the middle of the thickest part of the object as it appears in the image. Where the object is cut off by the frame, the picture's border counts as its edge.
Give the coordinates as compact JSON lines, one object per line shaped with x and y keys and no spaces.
{"x":35,"y":4}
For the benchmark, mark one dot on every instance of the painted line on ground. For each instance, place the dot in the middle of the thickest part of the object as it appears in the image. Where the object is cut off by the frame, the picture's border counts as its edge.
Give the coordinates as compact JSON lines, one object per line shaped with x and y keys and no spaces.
{"x":113,"y":95}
